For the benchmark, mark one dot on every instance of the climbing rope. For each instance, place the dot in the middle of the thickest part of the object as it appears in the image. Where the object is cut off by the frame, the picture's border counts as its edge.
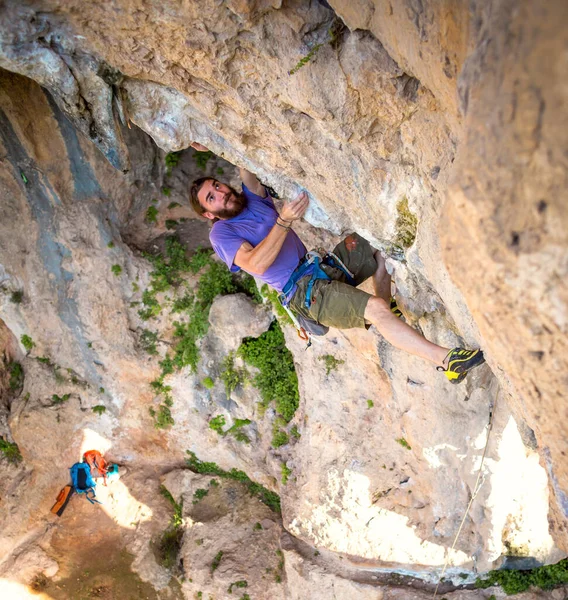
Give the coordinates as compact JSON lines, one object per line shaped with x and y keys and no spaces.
{"x":478,"y":484}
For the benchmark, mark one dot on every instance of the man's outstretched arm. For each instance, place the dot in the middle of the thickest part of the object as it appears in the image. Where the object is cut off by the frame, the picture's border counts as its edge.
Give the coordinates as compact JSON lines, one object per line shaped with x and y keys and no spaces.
{"x":257,"y":260}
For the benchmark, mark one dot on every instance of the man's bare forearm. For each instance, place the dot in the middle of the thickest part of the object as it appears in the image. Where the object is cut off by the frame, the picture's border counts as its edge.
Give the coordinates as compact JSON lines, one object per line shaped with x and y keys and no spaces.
{"x":260,"y":258}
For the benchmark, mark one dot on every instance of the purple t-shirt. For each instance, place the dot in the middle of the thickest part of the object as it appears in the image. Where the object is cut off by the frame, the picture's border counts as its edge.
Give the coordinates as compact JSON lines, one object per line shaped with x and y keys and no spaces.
{"x":252,"y":226}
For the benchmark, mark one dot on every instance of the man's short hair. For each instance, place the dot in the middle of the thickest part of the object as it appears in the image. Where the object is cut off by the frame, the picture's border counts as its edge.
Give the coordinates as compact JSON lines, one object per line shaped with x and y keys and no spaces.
{"x":194,"y":190}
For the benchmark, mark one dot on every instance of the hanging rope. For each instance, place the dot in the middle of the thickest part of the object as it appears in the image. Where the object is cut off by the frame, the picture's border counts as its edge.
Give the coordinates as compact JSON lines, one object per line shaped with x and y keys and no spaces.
{"x":478,"y":484}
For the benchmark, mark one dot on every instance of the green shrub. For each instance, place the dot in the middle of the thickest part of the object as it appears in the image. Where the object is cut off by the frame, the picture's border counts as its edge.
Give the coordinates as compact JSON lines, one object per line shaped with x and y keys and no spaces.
{"x":27,"y":342}
{"x":216,"y":561}
{"x":110,"y":245}
{"x":217,"y":424}
{"x":370,"y":404}
{"x":403,"y":443}
{"x":16,"y":375}
{"x":231,"y":376}
{"x":99,"y":409}
{"x":172,"y":159}
{"x":167,"y":191}
{"x":148,"y":340}
{"x":116,"y":269}
{"x":173,"y":205}
{"x":286,"y":472}
{"x":295,"y":433}
{"x":269,"y":498}
{"x":152,"y":214}
{"x":279,"y":438}
{"x":202,"y":158}
{"x":17,"y":296}
{"x":162,"y":417}
{"x":276,"y":380}
{"x":331,"y":363}
{"x":56,"y":400}
{"x":208,"y":383}
{"x":272,"y":296}
{"x":237,"y":584}
{"x":514,"y":582}
{"x":235,"y":430}
{"x":199,"y":495}
{"x":171,"y":223}
{"x":11,"y":451}
{"x":406,"y":224}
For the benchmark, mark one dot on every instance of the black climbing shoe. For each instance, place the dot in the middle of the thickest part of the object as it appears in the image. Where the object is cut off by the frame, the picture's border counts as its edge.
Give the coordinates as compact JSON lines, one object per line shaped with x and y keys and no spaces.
{"x":460,"y":362}
{"x":394,"y":308}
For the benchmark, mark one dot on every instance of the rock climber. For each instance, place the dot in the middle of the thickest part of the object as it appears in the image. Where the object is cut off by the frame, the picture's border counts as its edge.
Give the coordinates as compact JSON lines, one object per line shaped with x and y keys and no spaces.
{"x":249,"y":234}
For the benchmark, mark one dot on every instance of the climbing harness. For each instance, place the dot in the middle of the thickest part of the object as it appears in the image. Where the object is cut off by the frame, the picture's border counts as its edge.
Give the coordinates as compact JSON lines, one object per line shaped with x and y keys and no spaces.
{"x":478,"y":484}
{"x":310,"y":266}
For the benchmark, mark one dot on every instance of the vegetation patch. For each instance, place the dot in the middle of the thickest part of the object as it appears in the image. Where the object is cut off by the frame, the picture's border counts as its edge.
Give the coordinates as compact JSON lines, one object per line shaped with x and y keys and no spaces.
{"x":16,"y":375}
{"x":172,"y":159}
{"x":215,"y":280}
{"x":148,"y":341}
{"x":286,"y":472}
{"x":57,"y":400}
{"x":331,"y":363}
{"x":152,"y":214}
{"x":216,"y":561}
{"x":99,"y":409}
{"x":280,"y":312}
{"x":199,"y":495}
{"x":332,"y":35}
{"x":237,"y":584}
{"x":202,"y":158}
{"x":10,"y":451}
{"x":269,"y":498}
{"x":279,"y":566}
{"x":218,"y":423}
{"x":276,"y":380}
{"x":171,"y":223}
{"x":116,"y":269}
{"x":27,"y":342}
{"x":17,"y":296}
{"x":406,"y":224}
{"x":170,"y":542}
{"x":232,"y":376}
{"x":403,"y":443}
{"x":515,"y":582}
{"x":370,"y":404}
{"x":208,"y":383}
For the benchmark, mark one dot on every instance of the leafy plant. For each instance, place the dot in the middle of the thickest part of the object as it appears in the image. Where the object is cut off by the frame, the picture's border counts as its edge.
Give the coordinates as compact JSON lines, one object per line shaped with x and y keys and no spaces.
{"x":216,"y":561}
{"x":286,"y":472}
{"x":148,"y":340}
{"x":269,"y":498}
{"x":56,"y":399}
{"x":279,"y":438}
{"x":331,"y":363}
{"x":173,"y":205}
{"x":208,"y":383}
{"x":171,"y":223}
{"x":27,"y":342}
{"x":235,"y":430}
{"x":230,"y":375}
{"x":110,"y":244}
{"x":406,"y":224}
{"x":199,"y":495}
{"x":167,"y":191}
{"x":202,"y":158}
{"x":116,"y":269}
{"x":172,"y":159}
{"x":237,"y":584}
{"x":170,"y":542}
{"x":152,"y":214}
{"x":217,"y":424}
{"x":163,"y":416}
{"x":99,"y":409}
{"x":272,"y":296}
{"x":295,"y":433}
{"x":10,"y":450}
{"x":17,"y":296}
{"x":370,"y":404}
{"x":16,"y":375}
{"x":404,"y":443}
{"x":514,"y":582}
{"x":276,"y":380}
{"x":332,"y":35}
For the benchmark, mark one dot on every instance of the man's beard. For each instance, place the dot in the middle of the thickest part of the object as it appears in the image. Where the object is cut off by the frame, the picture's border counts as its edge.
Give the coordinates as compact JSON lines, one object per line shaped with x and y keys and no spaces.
{"x":237,"y":202}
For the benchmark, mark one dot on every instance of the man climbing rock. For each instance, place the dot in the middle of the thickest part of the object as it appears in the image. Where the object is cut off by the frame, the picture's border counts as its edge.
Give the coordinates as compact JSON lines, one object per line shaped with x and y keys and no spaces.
{"x":249,"y":234}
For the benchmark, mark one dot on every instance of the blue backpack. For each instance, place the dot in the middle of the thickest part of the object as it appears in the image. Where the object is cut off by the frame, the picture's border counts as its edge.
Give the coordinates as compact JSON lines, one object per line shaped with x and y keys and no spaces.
{"x":82,"y":481}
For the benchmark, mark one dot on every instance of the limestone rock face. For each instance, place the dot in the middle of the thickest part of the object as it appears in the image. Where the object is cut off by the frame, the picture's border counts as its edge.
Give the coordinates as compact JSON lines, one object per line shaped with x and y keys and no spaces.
{"x":434,"y":131}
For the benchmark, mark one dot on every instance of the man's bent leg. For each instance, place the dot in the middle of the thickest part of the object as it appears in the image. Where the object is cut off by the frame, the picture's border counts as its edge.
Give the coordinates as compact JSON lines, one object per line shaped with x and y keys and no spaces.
{"x":399,"y":334}
{"x":382,"y":279}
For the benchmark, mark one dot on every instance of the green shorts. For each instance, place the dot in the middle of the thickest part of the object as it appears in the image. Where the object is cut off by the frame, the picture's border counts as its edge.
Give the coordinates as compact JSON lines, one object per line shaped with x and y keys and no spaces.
{"x":336,"y":303}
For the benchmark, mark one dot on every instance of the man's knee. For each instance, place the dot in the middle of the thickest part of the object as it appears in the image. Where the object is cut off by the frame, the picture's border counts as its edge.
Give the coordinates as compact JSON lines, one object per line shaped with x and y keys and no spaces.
{"x":376,"y":308}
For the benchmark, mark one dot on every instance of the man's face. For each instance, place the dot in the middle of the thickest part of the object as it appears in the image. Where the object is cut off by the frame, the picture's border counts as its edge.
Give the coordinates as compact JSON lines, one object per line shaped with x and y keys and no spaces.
{"x":220,"y":201}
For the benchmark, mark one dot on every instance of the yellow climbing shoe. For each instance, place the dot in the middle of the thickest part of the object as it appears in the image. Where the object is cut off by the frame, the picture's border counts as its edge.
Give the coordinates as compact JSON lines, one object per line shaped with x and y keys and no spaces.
{"x":394,"y":308}
{"x":460,"y":362}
